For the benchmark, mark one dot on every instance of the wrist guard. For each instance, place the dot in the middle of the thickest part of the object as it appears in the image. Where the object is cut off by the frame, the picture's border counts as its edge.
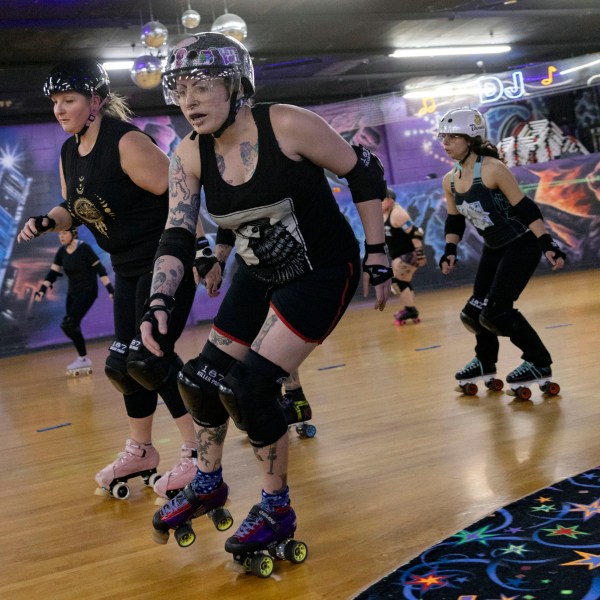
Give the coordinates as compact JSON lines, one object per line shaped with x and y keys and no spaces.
{"x":149,"y":311}
{"x":449,"y":250}
{"x":41,"y":292}
{"x":39,"y":224}
{"x":547,"y":244}
{"x":205,"y":259}
{"x":110,"y":289}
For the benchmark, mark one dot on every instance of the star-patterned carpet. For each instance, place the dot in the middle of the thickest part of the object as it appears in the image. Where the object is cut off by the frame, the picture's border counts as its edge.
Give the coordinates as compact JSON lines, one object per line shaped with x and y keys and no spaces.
{"x":545,"y":546}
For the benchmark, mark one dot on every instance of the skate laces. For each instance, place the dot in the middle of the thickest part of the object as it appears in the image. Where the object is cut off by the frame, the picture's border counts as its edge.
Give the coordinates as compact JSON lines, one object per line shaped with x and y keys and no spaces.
{"x":475,"y":362}
{"x":526,"y":367}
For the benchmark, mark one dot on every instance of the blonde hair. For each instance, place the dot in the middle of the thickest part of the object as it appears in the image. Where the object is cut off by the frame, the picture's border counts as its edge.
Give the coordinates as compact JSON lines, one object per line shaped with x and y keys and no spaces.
{"x":116,"y":106}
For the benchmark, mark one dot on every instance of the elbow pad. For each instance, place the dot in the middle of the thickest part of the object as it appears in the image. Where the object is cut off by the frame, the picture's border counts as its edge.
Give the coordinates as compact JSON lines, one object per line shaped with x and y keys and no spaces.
{"x":100,"y":269}
{"x":526,"y":211}
{"x":225,"y":237}
{"x":180,"y":243}
{"x":455,"y":224}
{"x":365,"y":180}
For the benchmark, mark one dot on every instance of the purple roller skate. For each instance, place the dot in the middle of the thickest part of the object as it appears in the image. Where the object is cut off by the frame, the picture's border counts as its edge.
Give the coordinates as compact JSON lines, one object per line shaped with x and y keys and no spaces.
{"x":178,"y":513}
{"x":266,"y":533}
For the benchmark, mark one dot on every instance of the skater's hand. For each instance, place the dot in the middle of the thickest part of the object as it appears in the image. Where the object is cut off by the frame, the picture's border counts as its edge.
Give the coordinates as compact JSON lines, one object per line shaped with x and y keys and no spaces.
{"x":213,"y":279}
{"x":155,"y":322}
{"x":448,"y":260}
{"x":34,"y":226}
{"x":377,"y":273}
{"x":555,"y":256}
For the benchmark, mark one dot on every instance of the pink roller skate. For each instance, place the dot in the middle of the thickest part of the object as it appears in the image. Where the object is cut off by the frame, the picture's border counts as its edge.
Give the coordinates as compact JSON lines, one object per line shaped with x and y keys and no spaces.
{"x":409,"y":313}
{"x":266,"y":533}
{"x":178,"y":513}
{"x":173,"y":481}
{"x":137,"y":460}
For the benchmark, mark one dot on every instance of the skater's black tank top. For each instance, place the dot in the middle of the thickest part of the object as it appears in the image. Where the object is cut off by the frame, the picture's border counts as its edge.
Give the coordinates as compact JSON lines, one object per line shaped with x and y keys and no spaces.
{"x":396,"y":239}
{"x":126,"y":220}
{"x":488,"y":210}
{"x":285,"y":218}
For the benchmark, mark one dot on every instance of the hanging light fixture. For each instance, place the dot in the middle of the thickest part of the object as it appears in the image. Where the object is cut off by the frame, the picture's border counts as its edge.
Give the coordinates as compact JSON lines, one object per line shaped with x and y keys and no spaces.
{"x":154,"y":34}
{"x":146,"y":71}
{"x":190,"y":19}
{"x":231,"y":25}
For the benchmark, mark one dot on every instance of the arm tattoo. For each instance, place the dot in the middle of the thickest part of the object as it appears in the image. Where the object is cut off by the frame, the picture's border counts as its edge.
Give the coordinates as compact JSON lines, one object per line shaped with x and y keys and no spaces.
{"x":185,"y":213}
{"x":166,"y":280}
{"x":263,"y":332}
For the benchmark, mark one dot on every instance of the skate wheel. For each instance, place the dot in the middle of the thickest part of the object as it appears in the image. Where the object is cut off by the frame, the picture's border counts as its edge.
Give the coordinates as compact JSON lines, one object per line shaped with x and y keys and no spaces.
{"x":399,"y":322}
{"x":185,"y":536}
{"x":306,"y":430}
{"x":120,"y":491}
{"x":523,"y":393}
{"x":296,"y":552}
{"x":76,"y":373}
{"x":261,"y":565}
{"x":551,"y":388}
{"x":495,"y":384}
{"x":221,"y":519}
{"x":160,"y":537}
{"x":416,"y":321}
{"x":469,"y":389}
{"x":152,"y":479}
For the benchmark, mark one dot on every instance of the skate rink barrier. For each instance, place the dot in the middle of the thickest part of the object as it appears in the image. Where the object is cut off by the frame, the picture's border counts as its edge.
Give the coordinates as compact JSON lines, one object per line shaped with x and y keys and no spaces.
{"x":401,"y":462}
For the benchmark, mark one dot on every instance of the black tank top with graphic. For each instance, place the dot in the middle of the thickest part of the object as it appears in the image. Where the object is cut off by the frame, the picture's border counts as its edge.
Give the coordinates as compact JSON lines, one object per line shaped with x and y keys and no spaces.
{"x":488,"y":210}
{"x":126,"y":220}
{"x":396,"y":239}
{"x":285,"y":218}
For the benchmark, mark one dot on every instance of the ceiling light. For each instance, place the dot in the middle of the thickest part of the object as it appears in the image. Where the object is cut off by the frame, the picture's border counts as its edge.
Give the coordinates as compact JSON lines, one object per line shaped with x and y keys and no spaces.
{"x":449,"y":51}
{"x":117,"y":65}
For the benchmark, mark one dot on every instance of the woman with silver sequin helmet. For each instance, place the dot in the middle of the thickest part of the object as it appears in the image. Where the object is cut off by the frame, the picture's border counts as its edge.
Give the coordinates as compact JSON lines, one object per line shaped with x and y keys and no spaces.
{"x":205,"y":57}
{"x":262,"y":169}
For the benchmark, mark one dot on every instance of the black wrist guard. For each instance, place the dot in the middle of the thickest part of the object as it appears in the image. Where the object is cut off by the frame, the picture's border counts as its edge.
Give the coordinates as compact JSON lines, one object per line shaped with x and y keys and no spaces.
{"x":205,"y":259}
{"x":547,"y":244}
{"x":41,"y":292}
{"x":39,"y":224}
{"x":149,"y":311}
{"x":110,"y":289}
{"x":375,"y":248}
{"x":449,"y":250}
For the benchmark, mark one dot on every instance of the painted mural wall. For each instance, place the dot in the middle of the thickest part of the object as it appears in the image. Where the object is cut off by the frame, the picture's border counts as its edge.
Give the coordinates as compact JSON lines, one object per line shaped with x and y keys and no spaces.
{"x":567,"y":188}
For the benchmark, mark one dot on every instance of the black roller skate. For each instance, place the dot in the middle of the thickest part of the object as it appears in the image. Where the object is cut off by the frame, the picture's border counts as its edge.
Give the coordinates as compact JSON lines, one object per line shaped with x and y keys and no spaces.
{"x":266,"y":534}
{"x":526,"y":374}
{"x":178,"y":513}
{"x":474,"y":371}
{"x":297,"y":412}
{"x":409,"y":313}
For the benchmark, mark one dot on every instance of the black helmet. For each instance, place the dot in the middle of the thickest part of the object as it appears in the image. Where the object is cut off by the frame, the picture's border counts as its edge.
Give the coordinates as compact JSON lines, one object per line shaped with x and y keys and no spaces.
{"x":84,"y":76}
{"x":208,"y":55}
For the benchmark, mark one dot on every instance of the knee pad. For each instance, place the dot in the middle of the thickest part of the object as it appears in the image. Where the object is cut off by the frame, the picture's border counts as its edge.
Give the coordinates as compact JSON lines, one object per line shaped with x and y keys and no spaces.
{"x":469,"y":316}
{"x":151,"y":371}
{"x":198,"y":383}
{"x":115,"y":368}
{"x":249,"y":392}
{"x":402,"y":285}
{"x":500,"y":318}
{"x":70,"y":327}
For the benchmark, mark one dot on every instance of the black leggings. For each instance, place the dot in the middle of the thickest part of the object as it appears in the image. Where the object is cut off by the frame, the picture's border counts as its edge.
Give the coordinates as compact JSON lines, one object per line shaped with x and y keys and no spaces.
{"x":130,"y":296}
{"x":502,"y":275}
{"x":77,"y":307}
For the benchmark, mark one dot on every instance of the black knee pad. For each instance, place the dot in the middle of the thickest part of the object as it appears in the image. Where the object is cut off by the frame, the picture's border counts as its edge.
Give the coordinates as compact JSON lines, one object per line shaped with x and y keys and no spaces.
{"x":70,"y":327}
{"x":402,"y":285}
{"x":469,"y":316}
{"x":198,"y":383}
{"x":500,"y":318}
{"x":151,"y":371}
{"x":115,"y":368}
{"x":249,"y":392}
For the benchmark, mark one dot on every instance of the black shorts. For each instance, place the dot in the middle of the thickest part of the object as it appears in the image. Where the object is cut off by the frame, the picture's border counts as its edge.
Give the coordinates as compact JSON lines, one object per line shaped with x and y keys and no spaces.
{"x":310,"y":306}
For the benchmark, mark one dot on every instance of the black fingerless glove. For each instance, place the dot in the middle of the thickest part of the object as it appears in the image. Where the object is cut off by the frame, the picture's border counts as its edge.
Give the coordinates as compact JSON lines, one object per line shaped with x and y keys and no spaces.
{"x":378,"y":274}
{"x":110,"y":289}
{"x":547,"y":244}
{"x":449,"y":250}
{"x":149,"y":311}
{"x":205,"y":259}
{"x":41,"y":292}
{"x":39,"y":223}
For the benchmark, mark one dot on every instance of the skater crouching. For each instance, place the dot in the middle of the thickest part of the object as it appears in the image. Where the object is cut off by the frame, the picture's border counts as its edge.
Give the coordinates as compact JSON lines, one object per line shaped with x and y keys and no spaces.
{"x":481,"y":189}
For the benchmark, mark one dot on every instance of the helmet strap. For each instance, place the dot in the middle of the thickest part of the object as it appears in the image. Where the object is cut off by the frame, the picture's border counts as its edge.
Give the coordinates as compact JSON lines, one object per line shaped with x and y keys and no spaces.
{"x":458,"y":165}
{"x":90,"y":119}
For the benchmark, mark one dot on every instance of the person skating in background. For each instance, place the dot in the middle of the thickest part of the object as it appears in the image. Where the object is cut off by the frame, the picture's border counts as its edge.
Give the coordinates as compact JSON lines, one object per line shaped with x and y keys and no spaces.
{"x":481,"y":189}
{"x":82,"y":267}
{"x":405,"y":246}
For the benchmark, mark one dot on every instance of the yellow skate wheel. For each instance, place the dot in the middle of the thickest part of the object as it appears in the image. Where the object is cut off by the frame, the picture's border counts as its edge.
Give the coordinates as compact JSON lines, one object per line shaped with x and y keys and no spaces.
{"x":221,"y":519}
{"x":296,"y":552}
{"x":261,"y":565}
{"x":185,"y":536}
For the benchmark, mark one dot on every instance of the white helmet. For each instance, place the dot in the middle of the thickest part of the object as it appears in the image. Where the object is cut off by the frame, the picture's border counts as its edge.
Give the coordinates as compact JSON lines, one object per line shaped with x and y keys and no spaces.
{"x":465,"y":121}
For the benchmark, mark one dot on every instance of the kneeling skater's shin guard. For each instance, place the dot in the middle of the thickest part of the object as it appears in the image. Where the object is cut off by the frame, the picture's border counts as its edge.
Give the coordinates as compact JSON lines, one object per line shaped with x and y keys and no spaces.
{"x":249,"y":392}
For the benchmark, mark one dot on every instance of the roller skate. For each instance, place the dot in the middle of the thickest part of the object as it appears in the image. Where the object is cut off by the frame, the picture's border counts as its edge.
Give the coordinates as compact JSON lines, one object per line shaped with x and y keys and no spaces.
{"x":173,"y":481}
{"x":82,"y":365}
{"x":266,"y":534}
{"x":297,"y":412}
{"x":526,"y":374}
{"x":137,"y":460}
{"x":409,"y":313}
{"x":473,"y":372}
{"x":178,"y":513}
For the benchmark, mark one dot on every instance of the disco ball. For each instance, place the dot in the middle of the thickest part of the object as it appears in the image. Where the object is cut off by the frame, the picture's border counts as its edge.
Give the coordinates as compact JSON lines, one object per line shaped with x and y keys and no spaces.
{"x":232,"y":25}
{"x":190,"y":19}
{"x":154,"y":34}
{"x":146,"y":71}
